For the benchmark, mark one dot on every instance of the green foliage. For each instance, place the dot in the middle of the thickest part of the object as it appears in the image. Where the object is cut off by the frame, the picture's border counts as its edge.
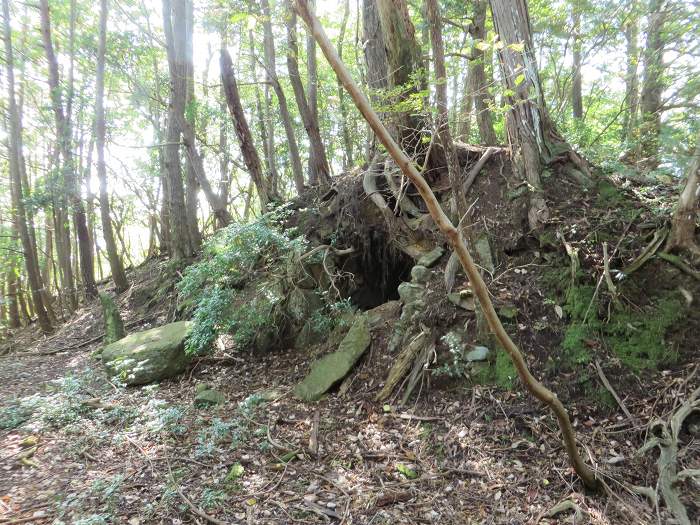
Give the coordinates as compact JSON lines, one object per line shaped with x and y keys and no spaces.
{"x":332,"y":316}
{"x":212,"y":287}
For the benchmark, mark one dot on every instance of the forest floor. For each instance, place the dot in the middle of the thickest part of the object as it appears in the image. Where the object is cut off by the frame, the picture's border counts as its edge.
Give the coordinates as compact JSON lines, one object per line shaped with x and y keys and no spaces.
{"x":76,"y":448}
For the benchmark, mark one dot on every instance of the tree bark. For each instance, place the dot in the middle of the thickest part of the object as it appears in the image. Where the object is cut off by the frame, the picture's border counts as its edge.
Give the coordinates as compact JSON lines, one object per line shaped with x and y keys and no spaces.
{"x":16,"y":159}
{"x":652,"y":84}
{"x":458,"y":244}
{"x":319,"y":171}
{"x":532,"y":134}
{"x":629,"y":123}
{"x":682,"y":234}
{"x":348,"y":160}
{"x":182,"y":245}
{"x":576,"y":93}
{"x":64,"y":137}
{"x":245,"y":138}
{"x":271,"y":70}
{"x":404,"y":63}
{"x":14,"y":320}
{"x":376,"y":62}
{"x":115,"y":264}
{"x":192,"y":180}
{"x":443,"y":126}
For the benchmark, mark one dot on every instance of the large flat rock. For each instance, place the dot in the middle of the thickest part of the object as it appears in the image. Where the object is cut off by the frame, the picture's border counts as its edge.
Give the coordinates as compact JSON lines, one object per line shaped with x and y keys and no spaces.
{"x":332,"y":368}
{"x":148,"y":356}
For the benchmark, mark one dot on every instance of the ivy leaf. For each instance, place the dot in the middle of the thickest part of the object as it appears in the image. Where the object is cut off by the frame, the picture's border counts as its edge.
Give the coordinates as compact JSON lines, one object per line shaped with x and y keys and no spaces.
{"x":520,"y":79}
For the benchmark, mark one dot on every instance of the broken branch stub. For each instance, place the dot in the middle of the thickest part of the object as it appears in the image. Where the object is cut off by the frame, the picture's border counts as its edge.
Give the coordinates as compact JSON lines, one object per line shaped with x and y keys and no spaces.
{"x":456,"y":240}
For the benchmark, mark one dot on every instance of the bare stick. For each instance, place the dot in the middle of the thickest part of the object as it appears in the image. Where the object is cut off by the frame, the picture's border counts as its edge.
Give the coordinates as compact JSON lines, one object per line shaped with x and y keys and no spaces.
{"x":612,"y":391}
{"x":199,"y":512}
{"x":456,"y":240}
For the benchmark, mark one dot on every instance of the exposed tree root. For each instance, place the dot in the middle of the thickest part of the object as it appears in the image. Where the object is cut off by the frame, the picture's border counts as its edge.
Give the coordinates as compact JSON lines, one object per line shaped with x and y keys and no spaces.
{"x":403,"y":363}
{"x":665,"y":437}
{"x":680,"y":264}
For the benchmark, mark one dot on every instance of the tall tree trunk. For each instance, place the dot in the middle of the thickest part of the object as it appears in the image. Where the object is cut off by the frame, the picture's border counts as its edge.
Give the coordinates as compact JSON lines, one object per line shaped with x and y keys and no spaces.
{"x":466,"y":103}
{"x":23,"y":304}
{"x":192,"y":185}
{"x":376,"y":63}
{"x":271,"y":69}
{"x":532,"y":134}
{"x":348,"y":160}
{"x":631,"y":112}
{"x":64,"y":137}
{"x":12,"y":306}
{"x":224,"y":154}
{"x":319,"y":171}
{"x":653,"y":84}
{"x":16,"y":159}
{"x":245,"y":138}
{"x":404,"y":63}
{"x":312,"y":91}
{"x":63,"y":252}
{"x":263,"y":119}
{"x":459,"y":207}
{"x":174,"y":24}
{"x":684,"y":218}
{"x":477,"y":81}
{"x":115,"y":264}
{"x":576,"y":94}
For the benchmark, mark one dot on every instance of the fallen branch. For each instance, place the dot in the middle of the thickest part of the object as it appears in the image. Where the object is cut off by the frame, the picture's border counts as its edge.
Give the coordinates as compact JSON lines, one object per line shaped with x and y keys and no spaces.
{"x":456,"y":240}
{"x":199,"y":512}
{"x":610,"y":389}
{"x":474,"y":171}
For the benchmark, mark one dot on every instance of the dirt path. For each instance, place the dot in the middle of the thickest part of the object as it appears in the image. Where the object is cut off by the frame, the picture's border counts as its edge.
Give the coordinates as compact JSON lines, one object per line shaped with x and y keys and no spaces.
{"x":91,"y":452}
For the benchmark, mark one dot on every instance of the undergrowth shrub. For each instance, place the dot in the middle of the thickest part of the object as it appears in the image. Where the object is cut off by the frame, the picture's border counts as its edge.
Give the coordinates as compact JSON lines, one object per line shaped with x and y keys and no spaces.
{"x":210,"y":288}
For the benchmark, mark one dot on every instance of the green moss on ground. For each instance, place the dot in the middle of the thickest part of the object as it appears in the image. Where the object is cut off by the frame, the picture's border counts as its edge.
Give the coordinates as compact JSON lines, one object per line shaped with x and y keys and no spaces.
{"x":637,"y":337}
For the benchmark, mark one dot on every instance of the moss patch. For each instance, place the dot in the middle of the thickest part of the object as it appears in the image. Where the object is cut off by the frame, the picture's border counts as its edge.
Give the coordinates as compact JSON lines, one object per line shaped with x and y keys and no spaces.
{"x":638,"y":339}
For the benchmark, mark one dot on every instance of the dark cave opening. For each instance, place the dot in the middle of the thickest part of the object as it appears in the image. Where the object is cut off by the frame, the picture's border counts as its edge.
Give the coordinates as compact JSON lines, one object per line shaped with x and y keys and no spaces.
{"x":378,"y":268}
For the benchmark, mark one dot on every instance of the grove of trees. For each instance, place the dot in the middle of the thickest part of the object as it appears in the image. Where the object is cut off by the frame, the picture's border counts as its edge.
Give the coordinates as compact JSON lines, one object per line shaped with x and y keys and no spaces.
{"x":132,"y":130}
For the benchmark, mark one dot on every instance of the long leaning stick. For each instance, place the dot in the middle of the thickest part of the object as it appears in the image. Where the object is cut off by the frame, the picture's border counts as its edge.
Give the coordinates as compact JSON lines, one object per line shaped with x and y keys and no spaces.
{"x":455,"y":238}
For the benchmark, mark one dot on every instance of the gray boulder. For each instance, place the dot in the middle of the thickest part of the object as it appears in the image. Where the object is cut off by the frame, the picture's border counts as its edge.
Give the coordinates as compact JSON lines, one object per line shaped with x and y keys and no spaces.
{"x":148,"y":356}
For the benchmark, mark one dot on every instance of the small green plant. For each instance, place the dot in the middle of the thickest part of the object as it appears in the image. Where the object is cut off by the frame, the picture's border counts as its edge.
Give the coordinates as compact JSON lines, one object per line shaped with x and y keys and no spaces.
{"x":212,"y":498}
{"x":325,"y":320}
{"x":107,"y":490}
{"x":14,"y":415}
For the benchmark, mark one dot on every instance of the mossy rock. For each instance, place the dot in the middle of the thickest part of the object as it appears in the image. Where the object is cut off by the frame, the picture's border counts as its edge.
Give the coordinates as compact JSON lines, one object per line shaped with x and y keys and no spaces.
{"x":331,"y":368}
{"x":148,"y":356}
{"x":209,"y":397}
{"x":114,"y":326}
